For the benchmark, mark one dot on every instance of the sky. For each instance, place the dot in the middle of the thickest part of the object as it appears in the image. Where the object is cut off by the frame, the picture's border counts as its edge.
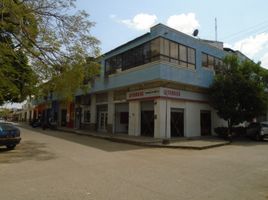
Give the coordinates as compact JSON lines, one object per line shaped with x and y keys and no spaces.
{"x":241,"y":24}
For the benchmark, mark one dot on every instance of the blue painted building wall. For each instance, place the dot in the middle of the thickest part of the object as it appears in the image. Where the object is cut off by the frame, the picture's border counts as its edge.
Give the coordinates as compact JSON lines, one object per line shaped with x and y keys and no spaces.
{"x":200,"y":77}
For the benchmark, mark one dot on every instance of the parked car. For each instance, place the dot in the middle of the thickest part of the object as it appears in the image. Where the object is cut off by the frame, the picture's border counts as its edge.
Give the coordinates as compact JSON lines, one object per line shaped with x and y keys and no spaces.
{"x":36,"y":123}
{"x":9,"y":135}
{"x":257,"y":130}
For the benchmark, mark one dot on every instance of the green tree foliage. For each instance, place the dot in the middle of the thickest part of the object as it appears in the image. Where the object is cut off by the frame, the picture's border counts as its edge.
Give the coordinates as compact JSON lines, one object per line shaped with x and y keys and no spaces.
{"x":238,"y":91}
{"x":4,"y":113}
{"x":17,"y":79}
{"x":54,"y":36}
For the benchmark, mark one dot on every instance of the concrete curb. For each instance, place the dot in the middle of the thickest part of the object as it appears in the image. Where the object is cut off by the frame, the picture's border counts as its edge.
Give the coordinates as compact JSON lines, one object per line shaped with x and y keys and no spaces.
{"x":147,"y":144}
{"x":113,"y":138}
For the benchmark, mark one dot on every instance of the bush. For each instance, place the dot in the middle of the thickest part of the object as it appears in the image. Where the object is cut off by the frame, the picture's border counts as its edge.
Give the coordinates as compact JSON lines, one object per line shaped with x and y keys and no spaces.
{"x":236,"y":131}
{"x":221,"y":132}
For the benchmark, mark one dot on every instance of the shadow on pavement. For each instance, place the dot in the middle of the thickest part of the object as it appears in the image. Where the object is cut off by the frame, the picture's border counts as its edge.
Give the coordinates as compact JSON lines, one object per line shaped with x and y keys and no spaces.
{"x":90,"y":141}
{"x":245,"y":141}
{"x":26,"y":150}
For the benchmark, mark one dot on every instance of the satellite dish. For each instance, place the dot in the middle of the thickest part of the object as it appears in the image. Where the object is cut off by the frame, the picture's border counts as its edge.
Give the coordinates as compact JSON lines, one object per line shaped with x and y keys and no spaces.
{"x":195,"y":33}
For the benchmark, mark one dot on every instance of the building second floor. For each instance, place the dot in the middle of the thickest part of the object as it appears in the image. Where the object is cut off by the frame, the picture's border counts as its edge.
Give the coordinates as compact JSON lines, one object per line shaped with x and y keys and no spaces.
{"x":163,"y":54}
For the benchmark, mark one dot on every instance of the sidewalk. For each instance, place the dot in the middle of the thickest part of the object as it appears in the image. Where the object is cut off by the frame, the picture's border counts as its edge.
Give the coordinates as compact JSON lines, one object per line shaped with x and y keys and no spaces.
{"x":198,"y":143}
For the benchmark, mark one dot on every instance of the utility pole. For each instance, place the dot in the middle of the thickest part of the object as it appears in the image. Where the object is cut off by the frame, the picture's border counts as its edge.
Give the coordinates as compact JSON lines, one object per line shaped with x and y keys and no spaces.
{"x":216,"y":30}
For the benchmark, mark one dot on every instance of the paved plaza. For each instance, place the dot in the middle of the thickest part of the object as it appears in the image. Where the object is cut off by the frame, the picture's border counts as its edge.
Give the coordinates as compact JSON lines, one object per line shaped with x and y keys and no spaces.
{"x":63,"y":166}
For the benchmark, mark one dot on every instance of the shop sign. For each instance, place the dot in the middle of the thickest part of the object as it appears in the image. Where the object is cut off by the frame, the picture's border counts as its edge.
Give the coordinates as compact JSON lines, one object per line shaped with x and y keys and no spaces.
{"x":166,"y":93}
{"x":141,"y":94}
{"x":152,"y":93}
{"x":171,"y":93}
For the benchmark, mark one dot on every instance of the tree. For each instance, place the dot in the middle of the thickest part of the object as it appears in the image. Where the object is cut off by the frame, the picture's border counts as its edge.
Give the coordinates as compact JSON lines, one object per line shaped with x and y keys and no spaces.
{"x":17,"y":79}
{"x":80,"y":76}
{"x":4,"y":113}
{"x":238,"y":91}
{"x":54,"y":37}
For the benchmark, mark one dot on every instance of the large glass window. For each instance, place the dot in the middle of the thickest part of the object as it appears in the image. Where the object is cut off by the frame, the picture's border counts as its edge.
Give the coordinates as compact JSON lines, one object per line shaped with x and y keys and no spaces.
{"x":138,"y":56}
{"x":191,"y":58}
{"x":211,"y":62}
{"x":146,"y":52}
{"x":155,"y":50}
{"x":127,"y":60}
{"x":183,"y":55}
{"x":164,"y":49}
{"x":218,"y":64}
{"x":174,"y":52}
{"x":204,"y":60}
{"x":113,"y":63}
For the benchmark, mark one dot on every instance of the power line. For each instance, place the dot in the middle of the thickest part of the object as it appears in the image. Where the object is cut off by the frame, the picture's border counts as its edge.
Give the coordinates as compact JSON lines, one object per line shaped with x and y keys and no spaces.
{"x":256,"y":28}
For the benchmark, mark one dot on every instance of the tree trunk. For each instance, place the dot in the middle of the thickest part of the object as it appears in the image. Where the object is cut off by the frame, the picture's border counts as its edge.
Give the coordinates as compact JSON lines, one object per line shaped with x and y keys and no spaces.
{"x":230,"y":134}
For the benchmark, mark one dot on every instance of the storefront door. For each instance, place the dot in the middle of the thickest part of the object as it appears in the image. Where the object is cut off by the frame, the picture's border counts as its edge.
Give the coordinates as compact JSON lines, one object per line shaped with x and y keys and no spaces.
{"x":63,"y":117}
{"x":78,"y":117}
{"x":177,"y":122}
{"x":121,"y":118}
{"x":102,"y":121}
{"x":147,"y":118}
{"x":205,"y":123}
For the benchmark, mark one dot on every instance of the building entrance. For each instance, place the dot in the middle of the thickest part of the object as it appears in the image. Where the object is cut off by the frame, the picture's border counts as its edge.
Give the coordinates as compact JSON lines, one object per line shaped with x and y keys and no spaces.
{"x":121,"y":118}
{"x":103,"y":116}
{"x":147,"y":118}
{"x":63,"y":117}
{"x":177,"y":122}
{"x":205,"y":123}
{"x":78,"y":112}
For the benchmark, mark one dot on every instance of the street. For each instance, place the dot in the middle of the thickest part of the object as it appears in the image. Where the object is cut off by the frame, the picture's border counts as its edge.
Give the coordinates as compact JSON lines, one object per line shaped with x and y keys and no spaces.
{"x":63,"y":166}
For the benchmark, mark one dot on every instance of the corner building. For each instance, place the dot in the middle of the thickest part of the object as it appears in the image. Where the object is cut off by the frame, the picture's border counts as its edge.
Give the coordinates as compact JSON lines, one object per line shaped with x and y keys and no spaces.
{"x":155,"y":86}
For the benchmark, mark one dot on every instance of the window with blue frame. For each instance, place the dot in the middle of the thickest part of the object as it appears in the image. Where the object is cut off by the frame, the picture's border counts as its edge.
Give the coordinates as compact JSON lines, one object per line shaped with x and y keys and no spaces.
{"x":154,"y":50}
{"x":211,"y":62}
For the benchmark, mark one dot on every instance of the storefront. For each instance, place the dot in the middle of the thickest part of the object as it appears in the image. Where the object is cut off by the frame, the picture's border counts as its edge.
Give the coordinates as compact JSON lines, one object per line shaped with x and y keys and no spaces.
{"x":169,"y":113}
{"x":121,"y":118}
{"x":147,"y":118}
{"x":67,"y":114}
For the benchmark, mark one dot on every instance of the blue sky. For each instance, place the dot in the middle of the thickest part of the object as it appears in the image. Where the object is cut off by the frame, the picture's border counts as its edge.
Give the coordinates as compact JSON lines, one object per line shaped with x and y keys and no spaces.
{"x":242,"y":24}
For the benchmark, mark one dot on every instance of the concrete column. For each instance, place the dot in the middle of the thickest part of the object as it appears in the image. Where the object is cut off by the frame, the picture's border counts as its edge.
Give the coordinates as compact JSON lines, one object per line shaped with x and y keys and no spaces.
{"x":161,"y":122}
{"x":27,"y":115}
{"x":31,"y":113}
{"x":111,"y":112}
{"x":134,"y":124}
{"x":93,"y":113}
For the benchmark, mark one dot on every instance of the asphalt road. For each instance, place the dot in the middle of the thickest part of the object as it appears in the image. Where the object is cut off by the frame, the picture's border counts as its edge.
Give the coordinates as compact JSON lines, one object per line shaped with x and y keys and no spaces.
{"x":55,"y":165}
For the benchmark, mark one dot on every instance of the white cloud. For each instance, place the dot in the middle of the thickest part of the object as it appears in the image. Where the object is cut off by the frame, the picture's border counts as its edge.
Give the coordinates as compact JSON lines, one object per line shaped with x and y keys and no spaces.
{"x":264,"y":61}
{"x":185,"y":23}
{"x":252,"y":45}
{"x":227,"y":45}
{"x":141,"y":21}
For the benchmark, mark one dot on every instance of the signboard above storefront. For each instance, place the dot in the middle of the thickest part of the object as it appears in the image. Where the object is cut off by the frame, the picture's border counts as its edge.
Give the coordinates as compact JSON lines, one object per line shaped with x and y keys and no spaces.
{"x":165,"y":93}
